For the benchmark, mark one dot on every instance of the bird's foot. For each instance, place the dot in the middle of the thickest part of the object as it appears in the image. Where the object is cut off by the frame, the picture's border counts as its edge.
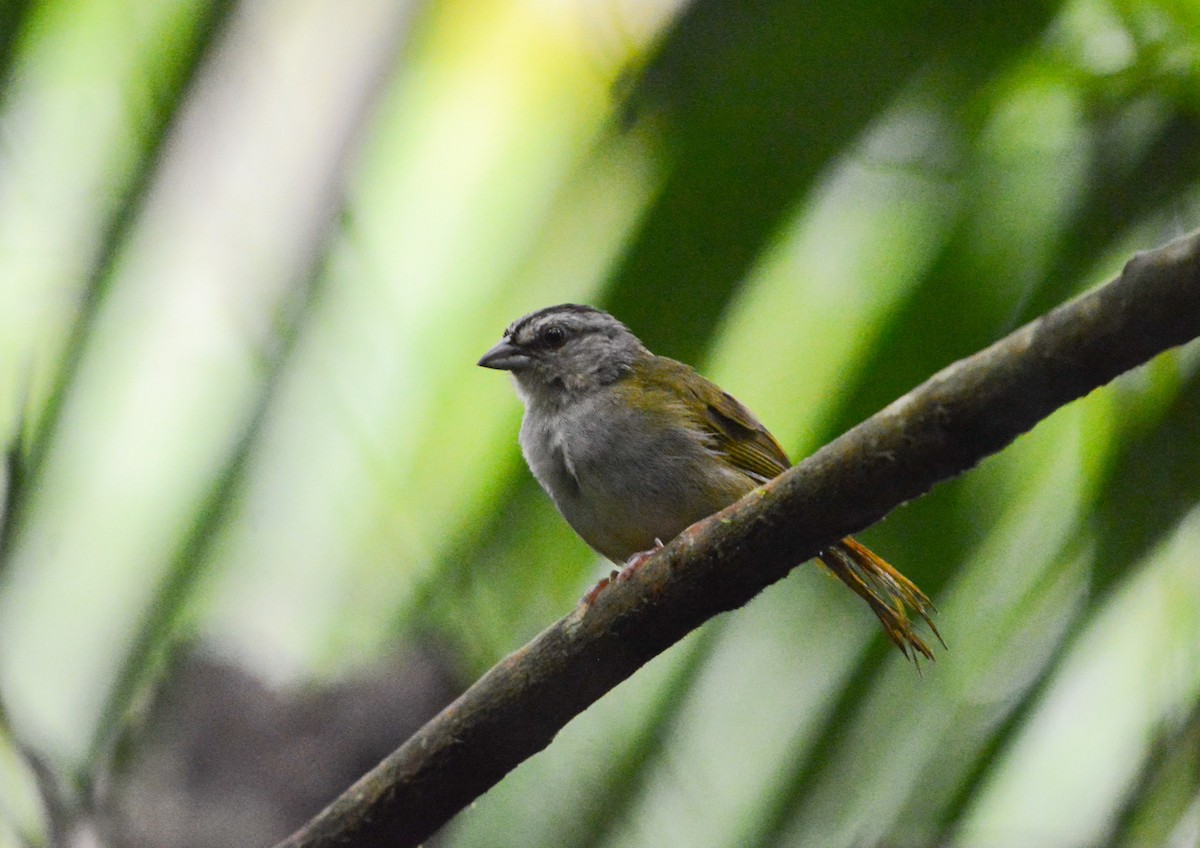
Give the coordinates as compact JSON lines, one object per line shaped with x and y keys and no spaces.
{"x":590,"y":596}
{"x":627,"y":571}
{"x":638,"y":560}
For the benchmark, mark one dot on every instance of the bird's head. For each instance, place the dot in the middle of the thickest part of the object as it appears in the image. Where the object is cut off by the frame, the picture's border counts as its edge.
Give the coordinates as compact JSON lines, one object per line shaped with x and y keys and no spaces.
{"x":565,"y":350}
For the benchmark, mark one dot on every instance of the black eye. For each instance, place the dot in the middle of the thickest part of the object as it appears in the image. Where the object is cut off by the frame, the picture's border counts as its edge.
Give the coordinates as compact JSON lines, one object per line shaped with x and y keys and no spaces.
{"x":554,"y":337}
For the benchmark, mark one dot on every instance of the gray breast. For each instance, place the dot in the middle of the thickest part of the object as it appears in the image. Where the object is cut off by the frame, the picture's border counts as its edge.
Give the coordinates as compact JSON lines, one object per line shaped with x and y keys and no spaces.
{"x":621,"y":479}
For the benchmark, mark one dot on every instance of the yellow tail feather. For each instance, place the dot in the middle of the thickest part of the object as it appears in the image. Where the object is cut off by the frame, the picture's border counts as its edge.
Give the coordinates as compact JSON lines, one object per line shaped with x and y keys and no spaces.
{"x":889,"y":594}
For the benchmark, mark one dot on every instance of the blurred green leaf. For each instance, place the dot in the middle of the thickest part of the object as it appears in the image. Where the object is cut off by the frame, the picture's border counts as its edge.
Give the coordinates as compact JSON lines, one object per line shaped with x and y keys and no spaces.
{"x":1154,"y":483}
{"x":186,"y":39}
{"x":1068,"y":774}
{"x":1165,"y":795}
{"x":754,"y":107}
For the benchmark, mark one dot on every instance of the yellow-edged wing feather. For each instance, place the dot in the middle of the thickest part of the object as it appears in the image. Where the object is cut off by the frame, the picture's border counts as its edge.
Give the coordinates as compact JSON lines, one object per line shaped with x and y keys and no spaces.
{"x":737,"y":435}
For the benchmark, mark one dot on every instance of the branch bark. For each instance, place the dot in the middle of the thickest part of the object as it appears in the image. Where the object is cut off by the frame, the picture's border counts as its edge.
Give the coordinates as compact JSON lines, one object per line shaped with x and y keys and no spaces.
{"x":966,"y":412}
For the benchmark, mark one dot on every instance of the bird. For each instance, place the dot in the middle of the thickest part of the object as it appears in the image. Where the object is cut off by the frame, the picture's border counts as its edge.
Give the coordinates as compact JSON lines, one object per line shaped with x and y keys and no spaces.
{"x":633,"y":448}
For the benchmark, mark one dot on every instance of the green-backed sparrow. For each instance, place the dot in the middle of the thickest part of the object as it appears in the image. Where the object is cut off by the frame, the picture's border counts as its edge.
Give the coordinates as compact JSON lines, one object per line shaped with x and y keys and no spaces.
{"x":633,"y":448}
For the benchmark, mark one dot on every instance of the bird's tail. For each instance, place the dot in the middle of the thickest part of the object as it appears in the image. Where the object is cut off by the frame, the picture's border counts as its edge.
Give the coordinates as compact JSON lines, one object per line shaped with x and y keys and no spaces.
{"x":889,"y":594}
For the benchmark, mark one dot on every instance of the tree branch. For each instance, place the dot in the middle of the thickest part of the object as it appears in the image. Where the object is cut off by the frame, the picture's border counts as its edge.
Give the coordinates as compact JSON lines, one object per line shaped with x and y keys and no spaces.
{"x":940,"y":429}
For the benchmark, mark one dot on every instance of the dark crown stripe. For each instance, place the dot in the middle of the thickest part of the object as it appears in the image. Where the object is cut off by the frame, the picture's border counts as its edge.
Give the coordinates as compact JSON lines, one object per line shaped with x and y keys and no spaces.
{"x":561,"y":309}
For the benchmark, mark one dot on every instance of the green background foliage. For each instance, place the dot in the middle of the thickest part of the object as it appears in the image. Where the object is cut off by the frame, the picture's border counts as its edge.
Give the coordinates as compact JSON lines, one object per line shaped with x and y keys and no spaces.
{"x":250,"y":252}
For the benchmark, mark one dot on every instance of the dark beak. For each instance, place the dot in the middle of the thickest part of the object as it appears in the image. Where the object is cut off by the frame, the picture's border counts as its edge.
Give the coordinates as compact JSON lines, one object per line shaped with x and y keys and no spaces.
{"x":505,"y":356}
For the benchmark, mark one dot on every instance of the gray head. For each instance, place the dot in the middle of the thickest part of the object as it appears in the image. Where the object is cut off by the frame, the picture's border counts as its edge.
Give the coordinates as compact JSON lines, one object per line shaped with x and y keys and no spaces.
{"x":565,"y":349}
